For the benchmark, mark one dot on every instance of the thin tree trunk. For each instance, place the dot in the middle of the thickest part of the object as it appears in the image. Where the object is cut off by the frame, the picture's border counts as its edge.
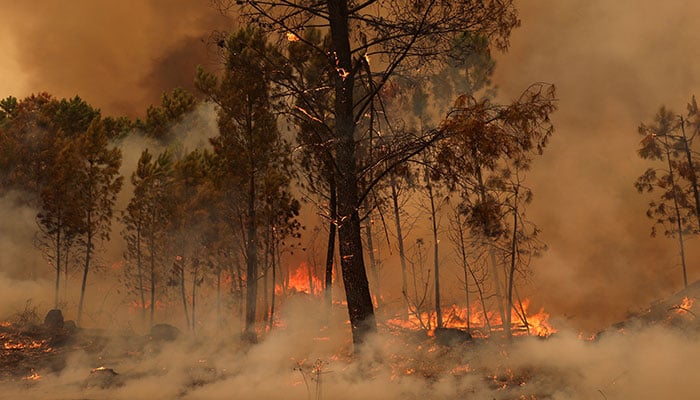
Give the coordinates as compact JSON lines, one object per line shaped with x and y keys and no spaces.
{"x":511,"y":274}
{"x":86,"y":268}
{"x":399,"y":239}
{"x":370,"y":250}
{"x":66,"y":265}
{"x":139,"y":270}
{"x":481,"y":300}
{"x":333,"y":208}
{"x":691,"y":169}
{"x":58,"y":267}
{"x":436,"y":254}
{"x":266,"y":287}
{"x":219,"y":321}
{"x":183,"y":292}
{"x":195,"y":270}
{"x":251,"y":266}
{"x":678,"y":214}
{"x":153,"y":276}
{"x":465,"y":267}
{"x":359,"y":299}
{"x":274,"y":278}
{"x":492,"y":250}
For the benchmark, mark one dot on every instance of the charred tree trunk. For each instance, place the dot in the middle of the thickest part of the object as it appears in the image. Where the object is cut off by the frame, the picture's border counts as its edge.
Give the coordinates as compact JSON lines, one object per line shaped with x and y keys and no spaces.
{"x":677,"y":211}
{"x":399,"y":239}
{"x":511,"y":273}
{"x":151,"y":241}
{"x":195,"y":272}
{"x":139,"y":271}
{"x":333,"y":208}
{"x":274,"y":277}
{"x":58,"y":267}
{"x":370,"y":250}
{"x":251,"y":266}
{"x":219,"y":321}
{"x":183,"y":291}
{"x":691,"y":171}
{"x":86,"y":267}
{"x":436,"y":254}
{"x":465,"y":266}
{"x":359,"y":299}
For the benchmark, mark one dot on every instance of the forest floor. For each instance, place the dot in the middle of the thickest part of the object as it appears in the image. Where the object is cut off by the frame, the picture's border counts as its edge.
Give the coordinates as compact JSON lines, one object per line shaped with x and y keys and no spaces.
{"x":636,"y":358}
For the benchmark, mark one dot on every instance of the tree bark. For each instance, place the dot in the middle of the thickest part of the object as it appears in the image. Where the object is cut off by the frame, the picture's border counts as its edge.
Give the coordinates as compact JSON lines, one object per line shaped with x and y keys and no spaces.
{"x":678,"y":214}
{"x":86,"y":268}
{"x":399,"y":239}
{"x":360,"y":308}
{"x":691,"y":169}
{"x":251,"y":266}
{"x":511,"y":274}
{"x":58,"y":266}
{"x":436,"y":254}
{"x":333,"y":208}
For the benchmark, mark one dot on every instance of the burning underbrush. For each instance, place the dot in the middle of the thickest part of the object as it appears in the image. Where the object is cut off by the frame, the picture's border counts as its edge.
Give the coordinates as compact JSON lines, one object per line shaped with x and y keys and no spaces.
{"x":310,"y":357}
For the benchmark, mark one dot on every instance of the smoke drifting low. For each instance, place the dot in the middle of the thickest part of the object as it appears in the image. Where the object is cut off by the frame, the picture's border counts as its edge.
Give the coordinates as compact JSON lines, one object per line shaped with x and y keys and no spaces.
{"x":306,"y":360}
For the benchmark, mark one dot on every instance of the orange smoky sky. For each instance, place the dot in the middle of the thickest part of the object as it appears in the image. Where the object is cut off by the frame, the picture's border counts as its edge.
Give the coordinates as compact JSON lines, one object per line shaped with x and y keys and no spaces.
{"x":614,"y":63}
{"x":118,"y":55}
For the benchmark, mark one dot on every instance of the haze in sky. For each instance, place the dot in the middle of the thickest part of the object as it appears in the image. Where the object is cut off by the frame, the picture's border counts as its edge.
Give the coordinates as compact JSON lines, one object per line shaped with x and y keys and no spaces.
{"x":613,"y":63}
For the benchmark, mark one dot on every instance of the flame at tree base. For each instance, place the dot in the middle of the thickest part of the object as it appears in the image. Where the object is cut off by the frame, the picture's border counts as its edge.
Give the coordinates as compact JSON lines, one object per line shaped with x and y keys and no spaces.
{"x":475,"y":321}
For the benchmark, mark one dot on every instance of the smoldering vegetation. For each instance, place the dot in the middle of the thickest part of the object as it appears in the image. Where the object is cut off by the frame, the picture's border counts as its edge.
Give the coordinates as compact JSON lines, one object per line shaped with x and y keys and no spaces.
{"x":305,"y":359}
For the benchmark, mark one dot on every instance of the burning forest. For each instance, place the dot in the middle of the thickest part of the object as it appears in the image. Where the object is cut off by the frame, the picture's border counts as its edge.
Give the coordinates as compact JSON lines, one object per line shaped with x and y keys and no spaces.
{"x":349,"y":199}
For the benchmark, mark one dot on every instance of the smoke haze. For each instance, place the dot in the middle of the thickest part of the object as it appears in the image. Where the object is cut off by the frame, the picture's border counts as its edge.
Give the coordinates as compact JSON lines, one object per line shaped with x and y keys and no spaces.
{"x":613,"y":63}
{"x":117,"y":55}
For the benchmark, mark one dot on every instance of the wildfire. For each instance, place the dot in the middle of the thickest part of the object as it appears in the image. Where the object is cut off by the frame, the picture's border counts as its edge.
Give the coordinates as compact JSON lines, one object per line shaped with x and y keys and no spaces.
{"x":34,"y":376}
{"x":292,"y":37}
{"x":522,"y":322}
{"x":303,"y":280}
{"x":15,"y":345}
{"x":685,"y":305}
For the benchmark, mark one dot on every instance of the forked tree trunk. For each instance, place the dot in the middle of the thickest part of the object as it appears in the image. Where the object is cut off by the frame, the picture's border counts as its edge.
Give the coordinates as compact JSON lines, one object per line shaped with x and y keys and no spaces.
{"x":359,"y":299}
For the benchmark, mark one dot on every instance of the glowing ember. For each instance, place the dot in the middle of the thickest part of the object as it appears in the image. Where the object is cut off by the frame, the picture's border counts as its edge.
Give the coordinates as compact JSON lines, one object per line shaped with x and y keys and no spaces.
{"x":32,"y":377}
{"x":292,"y":37}
{"x":15,"y":345}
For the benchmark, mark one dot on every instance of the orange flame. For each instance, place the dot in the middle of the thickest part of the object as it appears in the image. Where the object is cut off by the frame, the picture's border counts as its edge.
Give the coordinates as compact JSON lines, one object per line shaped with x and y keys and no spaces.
{"x":303,"y":280}
{"x":536,"y":324}
{"x":685,"y":306}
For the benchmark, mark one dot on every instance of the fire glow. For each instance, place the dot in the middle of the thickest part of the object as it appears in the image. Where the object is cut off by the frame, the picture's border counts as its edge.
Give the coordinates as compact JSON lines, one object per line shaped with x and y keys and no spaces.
{"x":475,"y":321}
{"x":302,"y":280}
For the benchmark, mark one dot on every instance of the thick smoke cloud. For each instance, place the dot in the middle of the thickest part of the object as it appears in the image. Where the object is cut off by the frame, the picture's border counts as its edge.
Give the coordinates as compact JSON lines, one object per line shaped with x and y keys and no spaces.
{"x":118,"y":55}
{"x":614,"y":64}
